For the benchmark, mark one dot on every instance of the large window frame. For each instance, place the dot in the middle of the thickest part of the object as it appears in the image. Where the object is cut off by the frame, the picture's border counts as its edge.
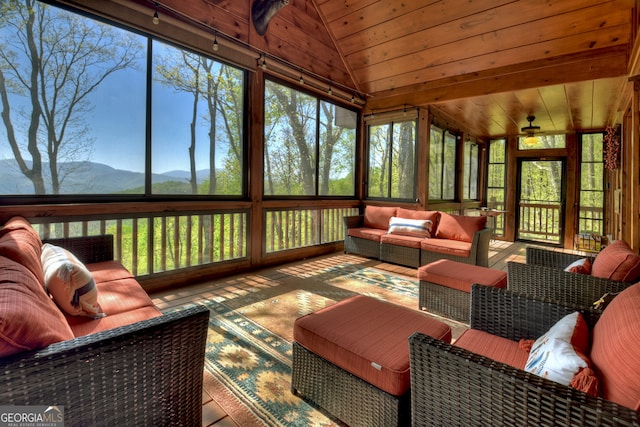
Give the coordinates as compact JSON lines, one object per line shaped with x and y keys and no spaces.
{"x":392,"y":155}
{"x":591,"y":200}
{"x":145,"y":191}
{"x":443,"y":158}
{"x":326,"y":133}
{"x":470,"y":173}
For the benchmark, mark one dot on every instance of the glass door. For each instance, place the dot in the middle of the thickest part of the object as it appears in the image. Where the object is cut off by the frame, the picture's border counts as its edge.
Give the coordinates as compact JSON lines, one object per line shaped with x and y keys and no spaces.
{"x":541,"y":195}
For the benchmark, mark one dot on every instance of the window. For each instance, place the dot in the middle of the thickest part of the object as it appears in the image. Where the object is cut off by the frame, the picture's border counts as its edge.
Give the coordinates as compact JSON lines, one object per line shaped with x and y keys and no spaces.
{"x":541,"y":142}
{"x":496,"y":181}
{"x":392,"y":158}
{"x":470,"y":173}
{"x":91,"y":114}
{"x":309,"y":145}
{"x":591,"y":204}
{"x":197,"y":133}
{"x":442,"y":164}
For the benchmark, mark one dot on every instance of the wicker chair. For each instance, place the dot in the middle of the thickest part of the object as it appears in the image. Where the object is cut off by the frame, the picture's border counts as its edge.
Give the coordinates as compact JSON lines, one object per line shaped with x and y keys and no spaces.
{"x":454,"y":387}
{"x":543,"y":276}
{"x":146,"y":373}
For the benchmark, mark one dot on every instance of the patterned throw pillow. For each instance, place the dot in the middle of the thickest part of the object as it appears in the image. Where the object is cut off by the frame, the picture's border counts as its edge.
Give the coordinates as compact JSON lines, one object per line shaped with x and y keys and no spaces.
{"x":581,"y":266}
{"x":410,"y":227}
{"x":559,"y":354}
{"x":69,"y":282}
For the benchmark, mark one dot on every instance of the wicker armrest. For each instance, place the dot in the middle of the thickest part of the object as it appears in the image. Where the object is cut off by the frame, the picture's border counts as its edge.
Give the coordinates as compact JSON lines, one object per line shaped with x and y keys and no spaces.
{"x":549,"y":258}
{"x":146,"y":373}
{"x":454,"y":387}
{"x":480,"y":246}
{"x":514,"y":316}
{"x":353,"y":221}
{"x":87,"y":249}
{"x":558,"y":285}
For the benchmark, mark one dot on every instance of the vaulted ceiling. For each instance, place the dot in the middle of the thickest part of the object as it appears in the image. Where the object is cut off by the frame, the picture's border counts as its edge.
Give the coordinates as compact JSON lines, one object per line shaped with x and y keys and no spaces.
{"x":486,"y":64}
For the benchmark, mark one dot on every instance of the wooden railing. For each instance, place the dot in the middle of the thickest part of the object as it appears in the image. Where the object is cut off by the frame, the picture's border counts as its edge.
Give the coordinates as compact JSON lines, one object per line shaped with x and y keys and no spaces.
{"x":540,"y":221}
{"x":296,"y":228}
{"x":178,"y":237}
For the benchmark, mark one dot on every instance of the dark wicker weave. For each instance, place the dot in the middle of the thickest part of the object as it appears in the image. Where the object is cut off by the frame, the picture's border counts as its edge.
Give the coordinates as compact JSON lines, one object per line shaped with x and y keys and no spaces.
{"x":541,"y":256}
{"x":552,"y":282}
{"x":454,"y":387}
{"x":343,"y":395}
{"x":87,"y":249}
{"x":479,"y":254}
{"x":402,"y":255}
{"x":356,"y":245}
{"x":444,"y":301}
{"x":145,"y":374}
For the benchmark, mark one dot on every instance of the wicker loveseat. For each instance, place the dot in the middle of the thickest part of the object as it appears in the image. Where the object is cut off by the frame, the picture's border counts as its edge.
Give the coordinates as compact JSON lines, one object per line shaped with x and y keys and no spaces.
{"x":136,"y":366}
{"x":543,"y":275}
{"x":455,"y":237}
{"x":455,"y":386}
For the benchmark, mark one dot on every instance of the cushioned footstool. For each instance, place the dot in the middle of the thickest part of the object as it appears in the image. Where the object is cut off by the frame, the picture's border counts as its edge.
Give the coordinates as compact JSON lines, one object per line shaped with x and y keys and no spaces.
{"x":445,"y":286}
{"x":352,"y":359}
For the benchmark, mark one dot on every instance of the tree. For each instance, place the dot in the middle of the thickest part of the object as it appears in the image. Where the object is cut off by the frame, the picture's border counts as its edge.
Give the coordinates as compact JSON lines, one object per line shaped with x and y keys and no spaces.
{"x":48,"y":67}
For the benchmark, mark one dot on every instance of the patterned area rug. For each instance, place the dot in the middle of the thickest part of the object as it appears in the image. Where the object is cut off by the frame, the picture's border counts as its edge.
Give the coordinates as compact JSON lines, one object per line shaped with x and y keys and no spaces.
{"x":248,"y":356}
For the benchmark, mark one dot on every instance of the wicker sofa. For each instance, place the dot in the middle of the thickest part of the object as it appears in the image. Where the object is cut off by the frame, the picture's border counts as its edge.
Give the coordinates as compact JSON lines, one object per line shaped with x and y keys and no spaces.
{"x":455,"y":386}
{"x":543,"y":275}
{"x":455,"y":237}
{"x":136,"y":366}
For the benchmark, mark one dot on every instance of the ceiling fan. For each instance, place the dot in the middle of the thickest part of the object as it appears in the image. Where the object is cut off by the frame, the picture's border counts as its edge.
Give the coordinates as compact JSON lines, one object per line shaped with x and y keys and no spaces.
{"x":530,"y":131}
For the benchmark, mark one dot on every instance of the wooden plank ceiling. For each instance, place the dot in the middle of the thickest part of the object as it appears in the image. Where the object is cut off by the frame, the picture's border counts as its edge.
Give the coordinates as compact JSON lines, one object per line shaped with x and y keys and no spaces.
{"x":486,"y":64}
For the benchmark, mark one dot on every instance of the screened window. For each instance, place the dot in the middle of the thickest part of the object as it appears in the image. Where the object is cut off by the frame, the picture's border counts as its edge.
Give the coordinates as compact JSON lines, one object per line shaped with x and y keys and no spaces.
{"x":496,"y":181}
{"x":542,"y":142}
{"x":197,"y":132}
{"x":442,"y":164}
{"x":392,"y":158}
{"x":309,"y":145}
{"x":89,"y":111}
{"x":591,"y":208}
{"x":470,"y":173}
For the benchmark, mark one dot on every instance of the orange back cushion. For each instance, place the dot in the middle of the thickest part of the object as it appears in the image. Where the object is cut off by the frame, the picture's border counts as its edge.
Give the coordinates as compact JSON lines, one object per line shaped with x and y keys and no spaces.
{"x":459,"y":227}
{"x":615,"y":348}
{"x":378,"y":216}
{"x":20,"y":243}
{"x":29,"y":319}
{"x":617,"y":262}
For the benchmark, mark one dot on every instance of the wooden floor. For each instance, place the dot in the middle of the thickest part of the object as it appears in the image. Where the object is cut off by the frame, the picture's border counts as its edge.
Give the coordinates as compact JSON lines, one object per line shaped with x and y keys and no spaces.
{"x":500,"y":253}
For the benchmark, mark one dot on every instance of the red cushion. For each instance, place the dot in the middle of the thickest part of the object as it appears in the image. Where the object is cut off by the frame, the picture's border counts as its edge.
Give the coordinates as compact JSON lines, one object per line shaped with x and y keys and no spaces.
{"x":446,"y":246}
{"x":366,"y":233}
{"x":459,"y":227}
{"x":378,"y":216}
{"x":617,"y":262}
{"x":20,"y":242}
{"x":368,"y":338}
{"x":461,"y":276}
{"x":615,"y":349}
{"x":413,"y":214}
{"x":493,"y":347}
{"x":400,"y":240}
{"x":29,"y":319}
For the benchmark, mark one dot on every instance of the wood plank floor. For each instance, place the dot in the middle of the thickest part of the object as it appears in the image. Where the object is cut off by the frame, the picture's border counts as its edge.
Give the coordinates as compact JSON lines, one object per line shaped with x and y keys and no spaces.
{"x":500,"y":253}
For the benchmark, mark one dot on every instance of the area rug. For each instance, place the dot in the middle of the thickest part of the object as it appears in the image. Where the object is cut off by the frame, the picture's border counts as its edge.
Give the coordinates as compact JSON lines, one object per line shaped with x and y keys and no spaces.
{"x":248,"y":354}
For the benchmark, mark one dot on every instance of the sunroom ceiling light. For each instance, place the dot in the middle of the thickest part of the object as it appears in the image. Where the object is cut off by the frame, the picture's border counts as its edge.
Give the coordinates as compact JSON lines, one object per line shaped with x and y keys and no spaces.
{"x":216,"y":46}
{"x":531,"y":130}
{"x":156,"y":18}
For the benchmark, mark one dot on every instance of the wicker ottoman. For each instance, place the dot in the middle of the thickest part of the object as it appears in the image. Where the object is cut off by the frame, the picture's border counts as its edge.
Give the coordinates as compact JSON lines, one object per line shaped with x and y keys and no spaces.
{"x":351,"y":360}
{"x":445,"y":287}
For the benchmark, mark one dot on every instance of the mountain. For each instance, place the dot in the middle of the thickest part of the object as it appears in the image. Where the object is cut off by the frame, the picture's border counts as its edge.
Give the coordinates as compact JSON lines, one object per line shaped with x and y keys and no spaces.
{"x":85,"y":178}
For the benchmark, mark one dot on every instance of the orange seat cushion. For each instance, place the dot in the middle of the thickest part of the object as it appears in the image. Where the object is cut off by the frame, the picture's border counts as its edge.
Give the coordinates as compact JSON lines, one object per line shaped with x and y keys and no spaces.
{"x":617,"y":262}
{"x":20,"y":242}
{"x":368,"y":338}
{"x":615,"y":349}
{"x":378,"y":216}
{"x":448,"y":247}
{"x":400,"y":240}
{"x":493,"y":347}
{"x":367,"y":233}
{"x":459,"y":227}
{"x":461,"y":276}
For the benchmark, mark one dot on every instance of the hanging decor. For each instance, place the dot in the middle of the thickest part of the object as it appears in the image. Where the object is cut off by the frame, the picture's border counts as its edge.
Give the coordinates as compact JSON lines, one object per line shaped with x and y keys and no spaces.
{"x":611,"y":148}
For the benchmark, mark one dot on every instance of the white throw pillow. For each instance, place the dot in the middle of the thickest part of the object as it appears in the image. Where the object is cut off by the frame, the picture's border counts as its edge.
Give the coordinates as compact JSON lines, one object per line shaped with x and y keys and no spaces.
{"x":410,"y":227}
